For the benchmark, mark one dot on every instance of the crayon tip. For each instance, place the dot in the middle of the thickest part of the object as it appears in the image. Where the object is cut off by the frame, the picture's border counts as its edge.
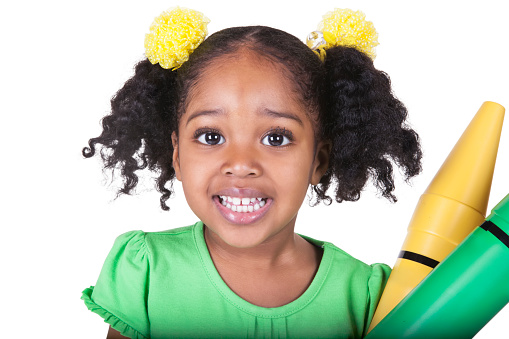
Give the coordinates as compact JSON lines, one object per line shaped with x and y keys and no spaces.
{"x":467,"y":173}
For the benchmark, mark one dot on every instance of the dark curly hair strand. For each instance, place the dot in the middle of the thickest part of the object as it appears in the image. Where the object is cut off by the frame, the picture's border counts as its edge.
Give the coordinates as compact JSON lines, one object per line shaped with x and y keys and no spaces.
{"x":366,"y":125}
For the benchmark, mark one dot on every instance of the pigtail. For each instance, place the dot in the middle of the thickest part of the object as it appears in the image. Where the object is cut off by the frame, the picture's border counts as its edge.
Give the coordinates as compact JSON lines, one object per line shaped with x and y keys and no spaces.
{"x":366,"y":125}
{"x":137,"y":133}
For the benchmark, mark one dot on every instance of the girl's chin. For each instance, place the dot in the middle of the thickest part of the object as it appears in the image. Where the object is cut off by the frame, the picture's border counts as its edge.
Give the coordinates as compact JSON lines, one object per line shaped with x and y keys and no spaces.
{"x":242,"y":218}
{"x":238,"y":238}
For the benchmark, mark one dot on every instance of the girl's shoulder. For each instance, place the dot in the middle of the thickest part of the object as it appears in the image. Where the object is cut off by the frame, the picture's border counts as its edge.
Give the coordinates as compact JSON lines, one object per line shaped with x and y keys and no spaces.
{"x":144,"y":241}
{"x":173,"y":239}
{"x":140,"y":248}
{"x":136,"y":261}
{"x":342,"y":262}
{"x":350,"y":281}
{"x":173,"y":245}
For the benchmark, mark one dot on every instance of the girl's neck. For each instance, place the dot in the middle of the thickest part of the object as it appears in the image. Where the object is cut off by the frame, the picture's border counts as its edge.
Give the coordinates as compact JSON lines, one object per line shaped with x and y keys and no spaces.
{"x":285,"y":248}
{"x":271,"y":274}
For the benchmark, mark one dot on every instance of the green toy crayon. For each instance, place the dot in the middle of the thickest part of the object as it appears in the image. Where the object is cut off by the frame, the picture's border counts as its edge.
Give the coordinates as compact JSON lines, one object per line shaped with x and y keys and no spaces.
{"x":463,"y":293}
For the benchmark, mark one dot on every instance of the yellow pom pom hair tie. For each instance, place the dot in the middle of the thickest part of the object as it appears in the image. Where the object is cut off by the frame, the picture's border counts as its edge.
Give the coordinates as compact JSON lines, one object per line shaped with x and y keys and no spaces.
{"x":174,"y":35}
{"x":344,"y":27}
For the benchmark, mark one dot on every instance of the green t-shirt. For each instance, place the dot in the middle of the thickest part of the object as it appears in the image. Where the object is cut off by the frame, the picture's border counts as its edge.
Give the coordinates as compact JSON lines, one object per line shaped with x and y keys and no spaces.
{"x":165,"y":285}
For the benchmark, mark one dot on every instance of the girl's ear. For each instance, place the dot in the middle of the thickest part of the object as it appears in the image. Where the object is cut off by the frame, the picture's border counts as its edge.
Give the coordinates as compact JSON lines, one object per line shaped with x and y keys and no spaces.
{"x":321,"y":162}
{"x":176,"y":159}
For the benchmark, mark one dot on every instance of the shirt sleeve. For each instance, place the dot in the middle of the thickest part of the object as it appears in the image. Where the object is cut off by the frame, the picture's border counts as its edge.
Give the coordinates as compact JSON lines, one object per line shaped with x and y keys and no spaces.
{"x":120,"y":295}
{"x":376,"y":284}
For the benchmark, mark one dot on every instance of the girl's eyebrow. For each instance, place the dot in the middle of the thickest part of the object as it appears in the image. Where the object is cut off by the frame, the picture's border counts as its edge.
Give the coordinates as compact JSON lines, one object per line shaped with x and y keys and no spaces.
{"x":206,"y":112}
{"x":282,"y":115}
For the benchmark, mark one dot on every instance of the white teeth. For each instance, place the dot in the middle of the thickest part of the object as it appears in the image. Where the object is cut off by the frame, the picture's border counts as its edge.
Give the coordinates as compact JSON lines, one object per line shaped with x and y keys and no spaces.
{"x":242,"y":205}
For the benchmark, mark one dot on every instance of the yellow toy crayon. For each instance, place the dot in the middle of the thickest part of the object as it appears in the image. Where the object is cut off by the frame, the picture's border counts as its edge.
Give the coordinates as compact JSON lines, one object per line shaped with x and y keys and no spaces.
{"x":452,"y":206}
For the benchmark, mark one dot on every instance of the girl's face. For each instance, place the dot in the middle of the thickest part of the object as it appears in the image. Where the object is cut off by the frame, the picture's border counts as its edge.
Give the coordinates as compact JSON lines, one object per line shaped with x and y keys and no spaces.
{"x":246,"y":151}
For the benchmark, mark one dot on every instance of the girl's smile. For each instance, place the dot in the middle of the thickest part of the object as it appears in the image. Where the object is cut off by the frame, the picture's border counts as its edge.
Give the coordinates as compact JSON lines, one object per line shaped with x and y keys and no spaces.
{"x":246,"y":150}
{"x":242,"y":206}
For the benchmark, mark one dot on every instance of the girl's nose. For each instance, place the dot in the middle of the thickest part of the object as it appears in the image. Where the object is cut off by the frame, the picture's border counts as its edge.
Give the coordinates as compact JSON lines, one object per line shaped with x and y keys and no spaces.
{"x":241,"y":163}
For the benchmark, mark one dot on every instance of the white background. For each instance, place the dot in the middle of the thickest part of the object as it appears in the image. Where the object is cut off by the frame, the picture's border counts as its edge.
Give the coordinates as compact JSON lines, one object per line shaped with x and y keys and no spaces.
{"x":61,"y":63}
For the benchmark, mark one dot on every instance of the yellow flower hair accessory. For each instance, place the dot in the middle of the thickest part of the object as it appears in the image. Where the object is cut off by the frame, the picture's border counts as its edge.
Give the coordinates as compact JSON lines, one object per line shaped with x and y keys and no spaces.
{"x":344,"y":27}
{"x":174,"y":35}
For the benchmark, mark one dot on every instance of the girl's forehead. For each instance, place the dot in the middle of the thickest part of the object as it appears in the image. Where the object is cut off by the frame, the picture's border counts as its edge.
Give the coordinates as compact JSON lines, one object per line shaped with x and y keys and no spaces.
{"x":246,"y":75}
{"x":244,"y":59}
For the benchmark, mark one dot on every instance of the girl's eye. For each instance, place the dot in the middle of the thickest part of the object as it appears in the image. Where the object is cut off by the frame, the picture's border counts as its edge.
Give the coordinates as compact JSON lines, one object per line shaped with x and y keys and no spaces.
{"x":211,"y":138}
{"x":275,"y":139}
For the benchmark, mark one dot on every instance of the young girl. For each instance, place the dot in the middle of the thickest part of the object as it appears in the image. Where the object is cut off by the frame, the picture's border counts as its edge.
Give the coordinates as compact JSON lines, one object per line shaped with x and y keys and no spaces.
{"x":247,"y":122}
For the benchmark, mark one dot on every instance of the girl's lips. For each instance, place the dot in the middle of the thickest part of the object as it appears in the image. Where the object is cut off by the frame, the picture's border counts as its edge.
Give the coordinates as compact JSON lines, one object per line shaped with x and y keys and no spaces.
{"x":242,"y":218}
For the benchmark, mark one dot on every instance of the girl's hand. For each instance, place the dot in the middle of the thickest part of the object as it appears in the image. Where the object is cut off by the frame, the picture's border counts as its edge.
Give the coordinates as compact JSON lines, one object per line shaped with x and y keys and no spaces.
{"x":114,"y":334}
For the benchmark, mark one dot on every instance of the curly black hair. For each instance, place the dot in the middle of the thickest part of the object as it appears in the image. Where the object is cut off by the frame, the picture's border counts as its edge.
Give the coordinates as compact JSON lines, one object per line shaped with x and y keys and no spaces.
{"x":351,"y":102}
